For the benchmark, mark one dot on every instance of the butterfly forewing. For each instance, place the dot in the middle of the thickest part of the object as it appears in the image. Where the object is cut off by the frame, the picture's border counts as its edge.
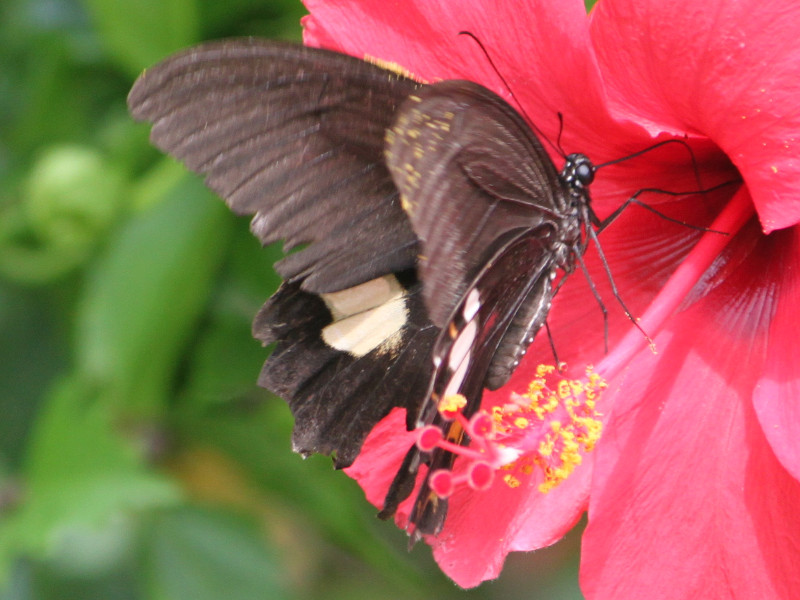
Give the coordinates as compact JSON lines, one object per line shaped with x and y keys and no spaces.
{"x":471,"y":173}
{"x":294,"y":136}
{"x":495,"y":221}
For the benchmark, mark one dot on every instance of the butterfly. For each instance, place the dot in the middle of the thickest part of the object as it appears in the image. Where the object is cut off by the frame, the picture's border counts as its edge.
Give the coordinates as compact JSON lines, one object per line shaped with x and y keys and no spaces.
{"x":424,"y":224}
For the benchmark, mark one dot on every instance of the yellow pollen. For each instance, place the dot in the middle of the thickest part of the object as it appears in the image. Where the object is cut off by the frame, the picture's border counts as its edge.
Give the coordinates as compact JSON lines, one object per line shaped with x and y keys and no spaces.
{"x":544,"y":370}
{"x":452,"y":403}
{"x":542,"y":433}
{"x":565,"y":418}
{"x":391,"y":66}
{"x":546,"y":447}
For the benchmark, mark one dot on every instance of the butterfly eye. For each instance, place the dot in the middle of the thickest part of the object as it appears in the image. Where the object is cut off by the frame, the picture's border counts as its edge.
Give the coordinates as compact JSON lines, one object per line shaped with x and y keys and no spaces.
{"x":584,"y":172}
{"x":579,"y":170}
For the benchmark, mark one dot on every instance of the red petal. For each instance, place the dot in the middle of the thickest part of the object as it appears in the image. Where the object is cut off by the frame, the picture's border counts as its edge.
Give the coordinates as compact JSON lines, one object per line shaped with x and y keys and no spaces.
{"x":777,"y":395}
{"x":688,"y":499}
{"x":381,"y":455}
{"x":483,"y":527}
{"x":549,"y":68}
{"x":642,"y":250}
{"x":541,"y":49}
{"x":688,"y":491}
{"x":721,"y":69}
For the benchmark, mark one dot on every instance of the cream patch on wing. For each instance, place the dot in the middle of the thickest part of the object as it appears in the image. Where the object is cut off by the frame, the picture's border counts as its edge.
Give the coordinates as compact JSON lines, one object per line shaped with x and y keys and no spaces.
{"x":366,"y":316}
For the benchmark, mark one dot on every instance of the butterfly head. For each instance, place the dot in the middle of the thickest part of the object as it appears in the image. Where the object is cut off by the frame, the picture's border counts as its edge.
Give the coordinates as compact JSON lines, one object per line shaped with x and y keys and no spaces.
{"x":578,"y":171}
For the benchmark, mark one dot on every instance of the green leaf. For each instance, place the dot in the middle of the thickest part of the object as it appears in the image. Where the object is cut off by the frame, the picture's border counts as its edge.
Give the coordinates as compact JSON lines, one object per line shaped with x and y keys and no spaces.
{"x":144,"y":301}
{"x":72,"y":194}
{"x":258,"y":438}
{"x":138,"y":33}
{"x":224,"y":364}
{"x":81,"y":477}
{"x":226,"y":359}
{"x":273,"y":19}
{"x":205,"y":555}
{"x":33,"y":352}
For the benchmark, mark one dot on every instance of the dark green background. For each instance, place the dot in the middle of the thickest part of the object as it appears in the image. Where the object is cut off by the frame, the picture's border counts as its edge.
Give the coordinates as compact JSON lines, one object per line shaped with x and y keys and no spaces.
{"x":137,"y":457}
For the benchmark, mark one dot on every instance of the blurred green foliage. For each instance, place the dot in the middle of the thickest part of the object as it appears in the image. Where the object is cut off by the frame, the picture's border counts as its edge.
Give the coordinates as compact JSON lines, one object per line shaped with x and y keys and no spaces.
{"x":137,"y":457}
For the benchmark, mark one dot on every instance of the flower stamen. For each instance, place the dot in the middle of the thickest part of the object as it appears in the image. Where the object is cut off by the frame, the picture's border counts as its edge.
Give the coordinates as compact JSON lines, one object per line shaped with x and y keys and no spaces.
{"x":545,"y":430}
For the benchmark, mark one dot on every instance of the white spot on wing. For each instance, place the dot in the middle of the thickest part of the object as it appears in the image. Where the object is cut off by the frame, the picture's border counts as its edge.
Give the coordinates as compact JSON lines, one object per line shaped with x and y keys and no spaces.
{"x":460,"y":355}
{"x":366,"y":316}
{"x":462,"y":345}
{"x":472,"y":304}
{"x":457,"y":379}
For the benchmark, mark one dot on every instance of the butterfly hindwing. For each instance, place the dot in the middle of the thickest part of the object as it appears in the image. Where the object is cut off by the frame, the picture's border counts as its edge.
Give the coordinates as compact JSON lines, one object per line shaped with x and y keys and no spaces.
{"x":464,"y":350}
{"x":344,"y":360}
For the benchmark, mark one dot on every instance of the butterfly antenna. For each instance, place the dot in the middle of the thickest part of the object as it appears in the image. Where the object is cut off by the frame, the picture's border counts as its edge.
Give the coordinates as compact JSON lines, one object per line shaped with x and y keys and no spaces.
{"x":539,"y":132}
{"x":560,"y":131}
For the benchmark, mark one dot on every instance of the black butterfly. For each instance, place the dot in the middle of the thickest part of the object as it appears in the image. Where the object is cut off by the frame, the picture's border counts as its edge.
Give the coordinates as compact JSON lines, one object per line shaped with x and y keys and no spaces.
{"x":433,"y":223}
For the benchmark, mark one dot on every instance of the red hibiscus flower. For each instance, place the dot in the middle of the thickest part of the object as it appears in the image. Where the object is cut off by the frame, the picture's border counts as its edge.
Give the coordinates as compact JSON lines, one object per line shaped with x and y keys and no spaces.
{"x":692,"y":490}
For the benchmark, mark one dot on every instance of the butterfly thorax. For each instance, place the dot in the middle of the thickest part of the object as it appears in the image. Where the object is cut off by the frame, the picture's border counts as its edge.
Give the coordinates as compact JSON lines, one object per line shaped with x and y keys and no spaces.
{"x":576,"y":176}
